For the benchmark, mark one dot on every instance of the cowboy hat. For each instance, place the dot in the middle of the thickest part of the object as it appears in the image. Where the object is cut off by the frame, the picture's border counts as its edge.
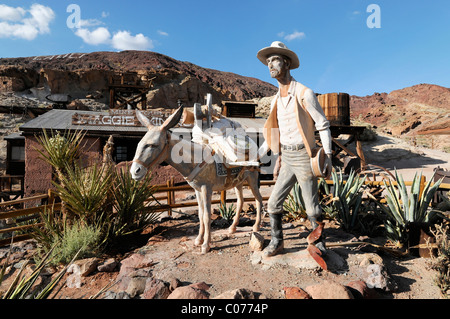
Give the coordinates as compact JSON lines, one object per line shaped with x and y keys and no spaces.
{"x":278,"y":47}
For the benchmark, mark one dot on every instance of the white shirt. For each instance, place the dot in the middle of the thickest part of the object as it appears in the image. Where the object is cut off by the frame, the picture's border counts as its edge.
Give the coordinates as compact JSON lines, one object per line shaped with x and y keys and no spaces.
{"x":287,"y":122}
{"x":314,"y":109}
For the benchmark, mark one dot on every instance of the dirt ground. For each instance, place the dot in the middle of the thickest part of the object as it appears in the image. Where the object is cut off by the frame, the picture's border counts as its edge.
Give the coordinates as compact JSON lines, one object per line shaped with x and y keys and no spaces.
{"x":229,"y":264}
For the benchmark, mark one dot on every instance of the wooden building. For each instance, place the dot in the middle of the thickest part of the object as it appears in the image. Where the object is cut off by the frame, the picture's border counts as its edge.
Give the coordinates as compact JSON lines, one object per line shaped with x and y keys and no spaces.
{"x":99,"y":126}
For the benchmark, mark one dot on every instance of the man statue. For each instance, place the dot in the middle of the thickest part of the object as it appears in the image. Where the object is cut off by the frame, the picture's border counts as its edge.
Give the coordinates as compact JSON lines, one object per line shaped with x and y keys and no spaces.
{"x":294,"y":108}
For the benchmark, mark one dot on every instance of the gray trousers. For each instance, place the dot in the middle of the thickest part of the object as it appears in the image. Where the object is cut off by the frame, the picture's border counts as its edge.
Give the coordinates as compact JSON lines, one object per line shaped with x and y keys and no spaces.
{"x":295,"y":167}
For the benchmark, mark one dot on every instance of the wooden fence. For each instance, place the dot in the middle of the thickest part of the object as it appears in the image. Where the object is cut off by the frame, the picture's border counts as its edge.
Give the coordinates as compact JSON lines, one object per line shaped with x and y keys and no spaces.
{"x":168,"y":191}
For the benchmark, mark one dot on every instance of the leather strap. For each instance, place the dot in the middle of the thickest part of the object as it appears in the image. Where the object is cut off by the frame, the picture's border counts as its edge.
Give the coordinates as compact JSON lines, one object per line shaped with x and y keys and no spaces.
{"x":147,"y":166}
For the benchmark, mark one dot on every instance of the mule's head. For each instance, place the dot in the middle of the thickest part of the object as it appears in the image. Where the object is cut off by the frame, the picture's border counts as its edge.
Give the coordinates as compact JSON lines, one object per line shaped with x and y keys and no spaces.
{"x":153,"y":148}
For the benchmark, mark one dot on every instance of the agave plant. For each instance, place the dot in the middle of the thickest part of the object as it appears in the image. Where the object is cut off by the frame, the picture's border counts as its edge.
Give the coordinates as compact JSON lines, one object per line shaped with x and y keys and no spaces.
{"x":404,"y":208}
{"x":344,"y":203}
{"x":227,"y":212}
{"x":294,"y":204}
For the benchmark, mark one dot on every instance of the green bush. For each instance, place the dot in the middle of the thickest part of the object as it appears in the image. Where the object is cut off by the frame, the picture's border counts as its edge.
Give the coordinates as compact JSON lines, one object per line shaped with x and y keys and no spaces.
{"x":101,"y":205}
{"x":78,"y":238}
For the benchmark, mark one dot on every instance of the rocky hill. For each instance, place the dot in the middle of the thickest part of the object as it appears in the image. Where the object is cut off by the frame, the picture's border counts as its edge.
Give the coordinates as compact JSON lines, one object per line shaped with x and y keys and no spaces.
{"x":408,"y":112}
{"x":82,"y":75}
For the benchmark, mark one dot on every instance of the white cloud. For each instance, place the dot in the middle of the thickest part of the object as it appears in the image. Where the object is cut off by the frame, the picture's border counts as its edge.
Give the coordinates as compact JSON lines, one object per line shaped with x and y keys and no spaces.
{"x":89,"y":23}
{"x":100,"y":35}
{"x":105,"y":14}
{"x":25,"y":24}
{"x":163,"y":33}
{"x":123,"y":40}
{"x":295,"y":35}
{"x":10,"y":13}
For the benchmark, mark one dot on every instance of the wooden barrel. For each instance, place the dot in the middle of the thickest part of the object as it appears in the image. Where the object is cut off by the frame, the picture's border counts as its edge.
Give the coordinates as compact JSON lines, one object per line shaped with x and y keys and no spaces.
{"x":336,"y":107}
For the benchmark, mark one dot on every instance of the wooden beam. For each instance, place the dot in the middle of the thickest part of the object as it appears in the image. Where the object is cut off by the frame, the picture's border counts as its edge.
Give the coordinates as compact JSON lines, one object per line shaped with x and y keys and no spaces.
{"x":343,"y":147}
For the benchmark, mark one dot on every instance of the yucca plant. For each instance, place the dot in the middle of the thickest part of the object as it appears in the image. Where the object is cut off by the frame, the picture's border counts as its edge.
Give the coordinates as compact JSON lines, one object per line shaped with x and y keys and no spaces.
{"x":84,"y":190}
{"x":227,"y":212}
{"x":132,"y":210}
{"x":294,"y":204}
{"x":344,"y":203}
{"x":61,"y":152}
{"x":22,"y":287}
{"x":404,"y":208}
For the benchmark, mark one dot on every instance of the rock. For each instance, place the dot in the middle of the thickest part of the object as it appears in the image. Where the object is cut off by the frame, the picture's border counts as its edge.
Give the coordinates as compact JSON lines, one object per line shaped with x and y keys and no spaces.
{"x":126,"y":274}
{"x":174,"y":284}
{"x":377,"y":276}
{"x":136,"y":265}
{"x":87,"y":266}
{"x":116,"y":295}
{"x":359,"y":290}
{"x":77,"y":105}
{"x":295,"y":293}
{"x":190,"y":292}
{"x":256,"y":242}
{"x":156,"y":289}
{"x":241,"y":293}
{"x":136,"y":286}
{"x":370,"y":258}
{"x":74,"y":279}
{"x":137,"y":261}
{"x":108,"y":265}
{"x":329,"y":290}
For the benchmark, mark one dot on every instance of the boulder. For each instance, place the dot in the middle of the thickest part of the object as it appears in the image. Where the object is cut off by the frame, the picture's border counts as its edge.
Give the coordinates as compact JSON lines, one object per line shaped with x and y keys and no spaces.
{"x":329,"y":290}
{"x":241,"y":293}
{"x":87,"y":266}
{"x":377,"y":276}
{"x":295,"y":293}
{"x":194,"y":291}
{"x":360,"y":290}
{"x":256,"y":242}
{"x":108,"y":265}
{"x":156,"y":289}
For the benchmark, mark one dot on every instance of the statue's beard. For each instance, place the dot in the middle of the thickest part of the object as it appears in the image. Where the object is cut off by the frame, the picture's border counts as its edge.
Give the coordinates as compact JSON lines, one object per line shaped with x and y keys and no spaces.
{"x":274,"y":73}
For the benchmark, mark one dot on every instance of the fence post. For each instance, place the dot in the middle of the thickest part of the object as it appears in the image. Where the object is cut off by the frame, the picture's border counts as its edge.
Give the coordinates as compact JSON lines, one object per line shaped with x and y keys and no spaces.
{"x":170,"y":196}
{"x":223,"y":198}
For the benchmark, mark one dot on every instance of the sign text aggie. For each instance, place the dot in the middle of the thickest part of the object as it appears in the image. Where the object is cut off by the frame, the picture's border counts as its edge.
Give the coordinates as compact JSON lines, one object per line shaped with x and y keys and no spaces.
{"x":119,"y":118}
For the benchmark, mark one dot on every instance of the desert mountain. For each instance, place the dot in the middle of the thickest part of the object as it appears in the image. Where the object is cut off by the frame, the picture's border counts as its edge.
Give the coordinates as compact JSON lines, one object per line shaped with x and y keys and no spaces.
{"x":81,"y":75}
{"x":408,"y":112}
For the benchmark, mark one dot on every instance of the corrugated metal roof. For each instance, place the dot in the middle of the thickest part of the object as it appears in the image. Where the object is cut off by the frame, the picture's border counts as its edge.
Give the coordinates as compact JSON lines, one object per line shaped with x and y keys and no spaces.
{"x":62,"y":120}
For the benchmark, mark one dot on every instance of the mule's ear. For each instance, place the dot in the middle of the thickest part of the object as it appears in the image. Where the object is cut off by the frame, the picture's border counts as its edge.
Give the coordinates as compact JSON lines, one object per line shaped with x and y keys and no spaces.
{"x":143,"y":119}
{"x":172,"y":120}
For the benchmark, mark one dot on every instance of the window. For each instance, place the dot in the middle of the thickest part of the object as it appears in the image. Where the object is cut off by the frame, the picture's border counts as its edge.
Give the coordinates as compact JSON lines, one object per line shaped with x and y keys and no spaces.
{"x":121,"y":154}
{"x":18,"y":153}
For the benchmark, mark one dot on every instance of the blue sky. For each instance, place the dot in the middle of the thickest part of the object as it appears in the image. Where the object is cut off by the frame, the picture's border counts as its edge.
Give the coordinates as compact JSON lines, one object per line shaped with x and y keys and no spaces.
{"x":338,"y":50}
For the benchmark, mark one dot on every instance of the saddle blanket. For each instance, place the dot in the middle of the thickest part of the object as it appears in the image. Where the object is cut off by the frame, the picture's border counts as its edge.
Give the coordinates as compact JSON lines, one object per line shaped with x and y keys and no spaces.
{"x":221,"y":170}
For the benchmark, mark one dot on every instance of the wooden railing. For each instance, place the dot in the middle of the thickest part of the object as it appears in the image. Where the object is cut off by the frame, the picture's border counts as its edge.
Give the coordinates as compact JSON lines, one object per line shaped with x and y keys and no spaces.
{"x":168,"y":191}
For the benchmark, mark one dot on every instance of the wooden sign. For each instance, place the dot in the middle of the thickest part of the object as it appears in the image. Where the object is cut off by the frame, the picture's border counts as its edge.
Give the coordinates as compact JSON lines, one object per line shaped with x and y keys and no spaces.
{"x":119,"y":118}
